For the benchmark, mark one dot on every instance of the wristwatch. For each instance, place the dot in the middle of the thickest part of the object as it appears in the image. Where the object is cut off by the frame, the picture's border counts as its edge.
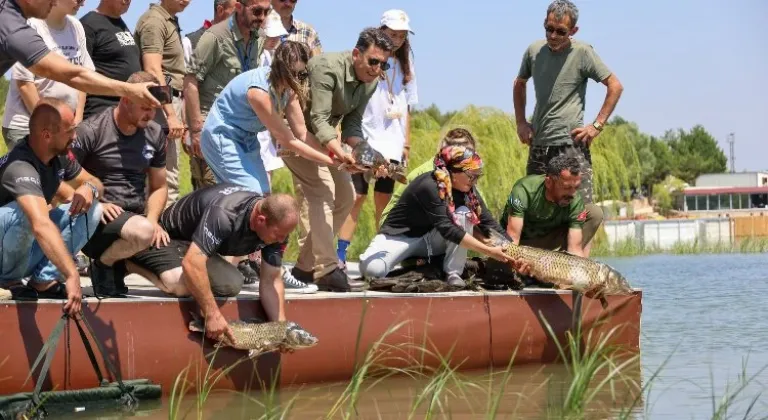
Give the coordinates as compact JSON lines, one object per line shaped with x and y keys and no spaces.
{"x":598,"y":126}
{"x":94,"y":190}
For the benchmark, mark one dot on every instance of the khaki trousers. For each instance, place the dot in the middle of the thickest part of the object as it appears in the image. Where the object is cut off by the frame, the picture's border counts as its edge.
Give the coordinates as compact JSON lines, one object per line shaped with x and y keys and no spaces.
{"x":326,"y":196}
{"x":172,"y":152}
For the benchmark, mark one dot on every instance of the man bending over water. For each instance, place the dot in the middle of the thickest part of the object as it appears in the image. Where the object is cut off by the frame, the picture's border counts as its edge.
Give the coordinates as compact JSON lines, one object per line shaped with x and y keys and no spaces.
{"x":216,"y":221}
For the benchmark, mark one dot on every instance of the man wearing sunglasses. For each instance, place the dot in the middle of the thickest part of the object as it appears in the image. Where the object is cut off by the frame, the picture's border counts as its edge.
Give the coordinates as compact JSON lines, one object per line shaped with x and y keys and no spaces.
{"x":340,"y":86}
{"x":561,"y":68}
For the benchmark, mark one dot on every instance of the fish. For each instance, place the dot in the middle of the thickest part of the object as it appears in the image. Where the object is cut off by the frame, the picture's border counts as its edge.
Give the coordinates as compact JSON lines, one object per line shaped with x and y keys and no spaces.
{"x":368,"y":158}
{"x":567,"y":271}
{"x":261,"y":337}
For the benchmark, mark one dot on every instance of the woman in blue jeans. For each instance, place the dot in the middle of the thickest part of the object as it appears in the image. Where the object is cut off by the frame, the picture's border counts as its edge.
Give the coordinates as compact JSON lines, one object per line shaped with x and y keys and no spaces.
{"x":254,"y":101}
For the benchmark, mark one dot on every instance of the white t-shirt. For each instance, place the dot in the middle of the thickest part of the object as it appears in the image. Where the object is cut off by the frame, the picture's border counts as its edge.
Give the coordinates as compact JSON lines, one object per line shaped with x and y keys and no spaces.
{"x":386,"y":134}
{"x":69,"y":43}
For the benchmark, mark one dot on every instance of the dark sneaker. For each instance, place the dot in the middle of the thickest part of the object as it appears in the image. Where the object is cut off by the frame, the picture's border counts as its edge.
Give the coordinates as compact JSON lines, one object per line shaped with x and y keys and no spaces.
{"x":337,"y":281}
{"x":108,"y":281}
{"x":249,"y":271}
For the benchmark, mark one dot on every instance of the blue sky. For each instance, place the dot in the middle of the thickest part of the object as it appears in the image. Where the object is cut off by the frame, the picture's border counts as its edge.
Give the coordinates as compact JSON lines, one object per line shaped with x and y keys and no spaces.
{"x":682,"y":62}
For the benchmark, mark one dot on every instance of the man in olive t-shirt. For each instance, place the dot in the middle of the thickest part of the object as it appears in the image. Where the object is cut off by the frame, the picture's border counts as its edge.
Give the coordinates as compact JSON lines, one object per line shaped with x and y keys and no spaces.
{"x":547,"y":211}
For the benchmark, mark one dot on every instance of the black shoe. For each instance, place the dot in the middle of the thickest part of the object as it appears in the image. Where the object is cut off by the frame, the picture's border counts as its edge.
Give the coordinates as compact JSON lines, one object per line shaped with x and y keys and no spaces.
{"x":337,"y":281}
{"x":303,"y":276}
{"x":109,"y":281}
{"x":249,"y":270}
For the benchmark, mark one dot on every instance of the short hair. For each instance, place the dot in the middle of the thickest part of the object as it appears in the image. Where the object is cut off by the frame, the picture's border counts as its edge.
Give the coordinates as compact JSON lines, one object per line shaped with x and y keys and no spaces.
{"x":278,"y":207}
{"x":142,"y":77}
{"x":217,"y":3}
{"x":563,"y":161}
{"x":458,"y":137}
{"x":562,"y":8}
{"x":47,"y":115}
{"x":374,"y":36}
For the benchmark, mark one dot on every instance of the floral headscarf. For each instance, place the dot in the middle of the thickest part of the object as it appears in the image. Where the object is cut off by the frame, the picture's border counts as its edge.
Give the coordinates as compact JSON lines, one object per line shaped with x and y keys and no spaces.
{"x":457,"y":159}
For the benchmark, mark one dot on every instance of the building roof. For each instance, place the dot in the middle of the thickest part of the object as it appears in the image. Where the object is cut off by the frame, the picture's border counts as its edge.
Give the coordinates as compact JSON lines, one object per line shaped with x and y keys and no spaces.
{"x":724,"y":190}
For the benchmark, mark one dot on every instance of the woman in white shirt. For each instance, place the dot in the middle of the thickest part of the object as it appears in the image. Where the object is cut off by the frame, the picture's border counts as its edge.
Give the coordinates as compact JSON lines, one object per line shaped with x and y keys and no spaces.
{"x":64,"y":35}
{"x":386,"y":122}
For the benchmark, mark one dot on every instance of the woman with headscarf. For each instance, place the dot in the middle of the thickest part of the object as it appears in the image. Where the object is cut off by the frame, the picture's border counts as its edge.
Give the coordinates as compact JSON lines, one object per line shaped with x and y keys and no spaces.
{"x":437,"y":214}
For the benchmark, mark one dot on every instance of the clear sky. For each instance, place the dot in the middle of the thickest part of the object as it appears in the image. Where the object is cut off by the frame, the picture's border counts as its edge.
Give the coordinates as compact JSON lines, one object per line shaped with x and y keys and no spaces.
{"x":682,"y":62}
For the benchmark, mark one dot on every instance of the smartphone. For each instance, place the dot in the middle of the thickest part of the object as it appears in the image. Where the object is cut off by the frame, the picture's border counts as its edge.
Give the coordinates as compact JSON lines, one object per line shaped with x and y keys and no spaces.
{"x":161,"y":93}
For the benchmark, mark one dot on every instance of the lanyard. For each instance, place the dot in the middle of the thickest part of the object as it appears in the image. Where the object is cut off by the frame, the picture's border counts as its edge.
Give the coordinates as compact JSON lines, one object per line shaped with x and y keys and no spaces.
{"x":390,"y":82}
{"x":245,"y":61}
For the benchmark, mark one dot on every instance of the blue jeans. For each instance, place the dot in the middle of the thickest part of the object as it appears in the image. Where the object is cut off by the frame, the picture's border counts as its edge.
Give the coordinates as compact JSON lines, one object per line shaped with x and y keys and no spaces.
{"x":232,"y":157}
{"x":21,"y":255}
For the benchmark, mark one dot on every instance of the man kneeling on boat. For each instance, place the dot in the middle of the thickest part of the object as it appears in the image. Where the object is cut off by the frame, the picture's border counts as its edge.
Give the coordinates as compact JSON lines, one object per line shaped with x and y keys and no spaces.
{"x":437,"y":214}
{"x":39,"y":235}
{"x":212,"y":222}
{"x":547,"y":211}
{"x":125,"y":149}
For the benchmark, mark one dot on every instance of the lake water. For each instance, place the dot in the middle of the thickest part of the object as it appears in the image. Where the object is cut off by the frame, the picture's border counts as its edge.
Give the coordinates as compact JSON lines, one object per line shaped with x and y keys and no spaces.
{"x":705,"y":315}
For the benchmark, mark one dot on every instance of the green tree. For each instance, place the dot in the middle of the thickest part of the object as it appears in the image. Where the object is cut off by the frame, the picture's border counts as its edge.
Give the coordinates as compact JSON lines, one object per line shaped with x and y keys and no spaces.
{"x":696,"y":152}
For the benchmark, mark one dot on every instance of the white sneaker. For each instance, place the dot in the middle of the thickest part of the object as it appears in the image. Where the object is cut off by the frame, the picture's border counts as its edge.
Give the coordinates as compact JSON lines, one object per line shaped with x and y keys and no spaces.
{"x":294,"y":285}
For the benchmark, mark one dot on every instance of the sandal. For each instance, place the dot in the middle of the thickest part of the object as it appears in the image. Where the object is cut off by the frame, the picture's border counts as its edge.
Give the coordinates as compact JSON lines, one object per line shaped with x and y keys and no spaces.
{"x":57,"y":291}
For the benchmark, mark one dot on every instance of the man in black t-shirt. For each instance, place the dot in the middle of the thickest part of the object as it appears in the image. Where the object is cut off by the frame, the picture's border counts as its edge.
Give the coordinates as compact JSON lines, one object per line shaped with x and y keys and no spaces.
{"x":125,"y":149}
{"x":19,"y":42}
{"x":37,"y":242}
{"x":112,"y":48}
{"x":221,"y":220}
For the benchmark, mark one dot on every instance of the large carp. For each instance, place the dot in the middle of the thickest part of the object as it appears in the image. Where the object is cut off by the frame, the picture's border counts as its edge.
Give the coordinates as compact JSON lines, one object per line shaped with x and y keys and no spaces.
{"x":567,"y":271}
{"x":261,"y":337}
{"x":369,"y":159}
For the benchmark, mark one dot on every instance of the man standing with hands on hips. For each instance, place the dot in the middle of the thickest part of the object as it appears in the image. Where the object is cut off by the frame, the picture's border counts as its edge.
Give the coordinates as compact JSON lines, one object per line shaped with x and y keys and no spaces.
{"x":560,"y":68}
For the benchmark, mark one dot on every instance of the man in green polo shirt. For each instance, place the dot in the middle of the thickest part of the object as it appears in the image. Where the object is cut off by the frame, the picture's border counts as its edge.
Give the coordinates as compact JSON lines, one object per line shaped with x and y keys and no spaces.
{"x":224,"y":50}
{"x":547,"y":211}
{"x":560,"y":68}
{"x":340,"y":86}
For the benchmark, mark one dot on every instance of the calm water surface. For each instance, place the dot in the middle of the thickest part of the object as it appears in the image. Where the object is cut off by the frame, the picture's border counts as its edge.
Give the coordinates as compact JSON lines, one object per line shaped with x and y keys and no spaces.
{"x":705,"y":315}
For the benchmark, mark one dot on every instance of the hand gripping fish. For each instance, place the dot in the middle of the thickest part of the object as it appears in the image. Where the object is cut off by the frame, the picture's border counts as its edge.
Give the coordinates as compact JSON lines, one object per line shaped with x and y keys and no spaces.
{"x":567,"y":271}
{"x":261,"y":337}
{"x":368,"y":158}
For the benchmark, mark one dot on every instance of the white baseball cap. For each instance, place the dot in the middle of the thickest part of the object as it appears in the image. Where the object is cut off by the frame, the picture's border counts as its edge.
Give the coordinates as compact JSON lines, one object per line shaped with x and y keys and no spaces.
{"x":396,"y":20}
{"x":273,"y":26}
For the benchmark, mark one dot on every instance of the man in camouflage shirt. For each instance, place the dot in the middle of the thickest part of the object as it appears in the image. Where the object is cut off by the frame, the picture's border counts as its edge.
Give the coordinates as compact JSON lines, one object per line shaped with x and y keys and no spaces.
{"x":560,"y":68}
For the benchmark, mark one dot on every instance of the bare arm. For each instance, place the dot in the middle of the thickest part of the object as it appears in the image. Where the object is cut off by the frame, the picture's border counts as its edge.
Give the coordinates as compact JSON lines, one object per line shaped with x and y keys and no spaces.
{"x":575,"y":237}
{"x":262,"y":106}
{"x":29,"y":94}
{"x":194,"y":115}
{"x":153,"y":64}
{"x":56,"y":67}
{"x":612,"y":96}
{"x":158,"y":194}
{"x":519,"y":93}
{"x":197,"y":282}
{"x":515,"y":228}
{"x":80,"y":107}
{"x":272,"y":292}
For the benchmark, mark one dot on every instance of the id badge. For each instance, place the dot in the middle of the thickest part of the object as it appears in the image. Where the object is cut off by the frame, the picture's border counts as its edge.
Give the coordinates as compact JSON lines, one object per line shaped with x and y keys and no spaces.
{"x":393,"y":112}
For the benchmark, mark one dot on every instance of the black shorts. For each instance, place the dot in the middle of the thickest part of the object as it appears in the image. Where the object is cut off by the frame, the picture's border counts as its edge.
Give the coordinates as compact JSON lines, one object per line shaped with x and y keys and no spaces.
{"x":106,"y":235}
{"x":224,"y":277}
{"x":382,"y":185}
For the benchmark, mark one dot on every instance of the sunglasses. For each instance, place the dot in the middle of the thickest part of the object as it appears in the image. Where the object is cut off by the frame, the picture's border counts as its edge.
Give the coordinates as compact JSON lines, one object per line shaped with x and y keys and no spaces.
{"x":260,"y":11}
{"x":373,"y":62}
{"x":473,"y":176}
{"x":289,"y":1}
{"x":559,"y":31}
{"x":301,"y":75}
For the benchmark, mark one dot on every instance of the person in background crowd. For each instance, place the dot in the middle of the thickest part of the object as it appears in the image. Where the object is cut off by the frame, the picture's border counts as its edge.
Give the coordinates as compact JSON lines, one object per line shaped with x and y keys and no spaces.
{"x":228,"y":48}
{"x":64,"y":35}
{"x":212,"y":222}
{"x":437,"y":214}
{"x":340,"y":86}
{"x":298,"y":31}
{"x":21,"y":43}
{"x":112,"y":49}
{"x":454,"y":137}
{"x":560,"y":68}
{"x":386,"y":123}
{"x":222,"y":10}
{"x":272,"y":31}
{"x":40,"y":237}
{"x":159,"y":38}
{"x":125,"y":149}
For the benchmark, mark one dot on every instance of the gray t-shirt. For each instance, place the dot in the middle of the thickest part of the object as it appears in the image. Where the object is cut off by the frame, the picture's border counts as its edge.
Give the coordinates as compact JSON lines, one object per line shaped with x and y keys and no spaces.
{"x":560,"y":80}
{"x":121,"y":162}
{"x":18,"y":41}
{"x":22,"y":173}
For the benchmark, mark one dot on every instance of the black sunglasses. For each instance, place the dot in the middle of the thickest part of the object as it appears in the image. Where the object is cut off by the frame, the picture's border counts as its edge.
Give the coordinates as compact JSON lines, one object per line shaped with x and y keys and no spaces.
{"x":260,"y":11}
{"x":559,"y":31}
{"x":376,"y":62}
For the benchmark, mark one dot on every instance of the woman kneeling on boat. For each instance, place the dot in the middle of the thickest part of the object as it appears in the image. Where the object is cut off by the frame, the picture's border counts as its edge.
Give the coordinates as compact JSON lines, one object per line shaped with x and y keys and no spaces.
{"x":254,"y":101}
{"x":437,"y":214}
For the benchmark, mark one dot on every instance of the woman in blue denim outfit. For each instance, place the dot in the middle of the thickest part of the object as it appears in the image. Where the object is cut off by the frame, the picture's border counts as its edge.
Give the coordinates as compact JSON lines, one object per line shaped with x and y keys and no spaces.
{"x":254,"y":101}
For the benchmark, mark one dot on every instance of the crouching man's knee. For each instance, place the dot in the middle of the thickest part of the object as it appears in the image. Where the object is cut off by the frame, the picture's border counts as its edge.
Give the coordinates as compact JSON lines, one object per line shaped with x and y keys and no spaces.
{"x":226,"y":287}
